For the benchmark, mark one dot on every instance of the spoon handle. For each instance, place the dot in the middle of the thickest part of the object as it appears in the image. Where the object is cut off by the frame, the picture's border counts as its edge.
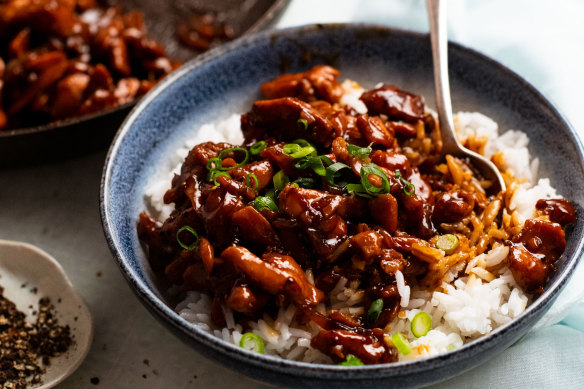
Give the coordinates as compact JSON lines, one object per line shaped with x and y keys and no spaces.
{"x":438,"y":34}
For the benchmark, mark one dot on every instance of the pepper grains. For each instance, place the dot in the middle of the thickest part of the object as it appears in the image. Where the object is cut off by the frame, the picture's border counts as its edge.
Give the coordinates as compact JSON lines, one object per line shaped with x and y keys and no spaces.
{"x":26,"y":349}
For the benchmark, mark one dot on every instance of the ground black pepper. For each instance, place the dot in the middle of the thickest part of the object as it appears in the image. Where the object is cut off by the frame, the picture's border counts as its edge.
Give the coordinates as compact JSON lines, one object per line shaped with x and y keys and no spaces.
{"x":26,"y":349}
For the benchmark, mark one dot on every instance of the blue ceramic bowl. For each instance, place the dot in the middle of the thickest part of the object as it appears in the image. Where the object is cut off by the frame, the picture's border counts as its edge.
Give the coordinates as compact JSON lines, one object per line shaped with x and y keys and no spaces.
{"x":227,"y":80}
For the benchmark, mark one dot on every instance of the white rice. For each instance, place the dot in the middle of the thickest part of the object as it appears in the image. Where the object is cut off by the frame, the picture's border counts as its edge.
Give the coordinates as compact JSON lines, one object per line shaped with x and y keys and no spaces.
{"x":485,"y":297}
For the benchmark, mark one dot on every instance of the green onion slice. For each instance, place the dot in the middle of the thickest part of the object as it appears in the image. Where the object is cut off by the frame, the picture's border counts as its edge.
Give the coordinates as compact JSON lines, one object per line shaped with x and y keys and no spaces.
{"x":450,"y":347}
{"x":351,"y":361}
{"x":272,"y":194}
{"x":256,"y":183}
{"x":302,"y":124}
{"x":334,"y":171}
{"x":305,"y":182}
{"x":409,"y":188}
{"x":366,"y":171}
{"x":401,"y":343}
{"x":213,"y":174}
{"x":421,"y":324}
{"x":358,"y":190}
{"x":280,"y":180}
{"x":252,"y":342}
{"x":193,"y":232}
{"x":257,"y":147}
{"x":303,"y":142}
{"x":357,"y":151}
{"x":265,"y":202}
{"x":224,"y":153}
{"x":295,"y":150}
{"x":213,"y":164}
{"x":448,"y":243}
{"x":316,"y":163}
{"x":290,"y":148}
{"x":374,"y":310}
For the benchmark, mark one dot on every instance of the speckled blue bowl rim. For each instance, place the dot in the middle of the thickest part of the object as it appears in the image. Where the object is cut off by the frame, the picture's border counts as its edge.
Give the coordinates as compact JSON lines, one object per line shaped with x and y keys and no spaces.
{"x":311,"y":370}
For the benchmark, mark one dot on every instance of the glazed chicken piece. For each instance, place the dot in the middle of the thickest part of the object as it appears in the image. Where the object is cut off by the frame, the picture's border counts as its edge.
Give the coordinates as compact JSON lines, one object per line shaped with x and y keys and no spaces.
{"x":245,"y":299}
{"x":274,"y":273}
{"x":263,"y":170}
{"x":318,"y":83}
{"x":559,"y":210}
{"x":375,"y":132}
{"x":285,"y":119}
{"x":254,"y":227}
{"x":276,"y":155}
{"x":452,"y":207}
{"x":370,"y":346}
{"x":323,"y":214}
{"x":217,"y":213}
{"x":384,"y":211}
{"x":535,"y":250}
{"x":395,"y":103}
{"x":55,"y":17}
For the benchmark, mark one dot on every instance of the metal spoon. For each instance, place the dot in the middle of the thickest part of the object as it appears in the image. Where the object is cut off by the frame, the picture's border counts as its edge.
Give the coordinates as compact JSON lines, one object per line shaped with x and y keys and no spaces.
{"x":438,"y":34}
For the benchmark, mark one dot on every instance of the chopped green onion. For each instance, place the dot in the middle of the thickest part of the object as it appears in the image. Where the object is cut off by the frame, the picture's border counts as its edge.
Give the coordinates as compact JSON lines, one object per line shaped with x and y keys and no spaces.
{"x":334,"y":171}
{"x":316,"y":163}
{"x":213,"y":164}
{"x":290,"y":148}
{"x":303,"y":143}
{"x":272,"y":194}
{"x":252,"y":342}
{"x":401,"y":343}
{"x":366,"y":171}
{"x":351,"y":360}
{"x":409,"y":188}
{"x":357,"y":151}
{"x":213,"y":174}
{"x":421,"y":324}
{"x":296,"y":151}
{"x":280,"y":180}
{"x":450,"y":347}
{"x":302,"y":124}
{"x":264,"y":202}
{"x":232,"y":150}
{"x":248,"y":179}
{"x":448,"y":243}
{"x":374,"y":310}
{"x":193,"y":232}
{"x":358,"y":190}
{"x":257,"y":147}
{"x":305,"y":163}
{"x":305,"y":182}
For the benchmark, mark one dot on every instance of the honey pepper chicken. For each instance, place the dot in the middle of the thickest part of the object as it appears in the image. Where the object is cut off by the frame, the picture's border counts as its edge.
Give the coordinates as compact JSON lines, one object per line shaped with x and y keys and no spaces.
{"x":318,"y":192}
{"x":68,"y":58}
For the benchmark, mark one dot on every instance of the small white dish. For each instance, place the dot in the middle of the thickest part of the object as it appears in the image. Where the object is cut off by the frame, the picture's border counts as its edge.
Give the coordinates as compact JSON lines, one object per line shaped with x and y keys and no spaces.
{"x":28,"y":274}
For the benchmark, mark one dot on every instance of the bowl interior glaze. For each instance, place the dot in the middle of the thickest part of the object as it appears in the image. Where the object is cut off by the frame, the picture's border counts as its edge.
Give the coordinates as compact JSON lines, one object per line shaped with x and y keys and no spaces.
{"x":227,"y":80}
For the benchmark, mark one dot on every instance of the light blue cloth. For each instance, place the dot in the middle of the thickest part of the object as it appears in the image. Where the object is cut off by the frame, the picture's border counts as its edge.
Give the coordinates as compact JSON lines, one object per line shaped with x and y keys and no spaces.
{"x":543,"y":41}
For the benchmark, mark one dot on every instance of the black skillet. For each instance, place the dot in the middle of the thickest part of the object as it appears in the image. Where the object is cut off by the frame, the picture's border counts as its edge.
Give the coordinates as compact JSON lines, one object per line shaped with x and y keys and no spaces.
{"x":76,"y":136}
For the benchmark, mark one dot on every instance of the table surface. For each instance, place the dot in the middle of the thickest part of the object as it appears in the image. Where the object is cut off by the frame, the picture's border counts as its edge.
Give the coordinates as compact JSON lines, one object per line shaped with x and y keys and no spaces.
{"x":55,"y":206}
